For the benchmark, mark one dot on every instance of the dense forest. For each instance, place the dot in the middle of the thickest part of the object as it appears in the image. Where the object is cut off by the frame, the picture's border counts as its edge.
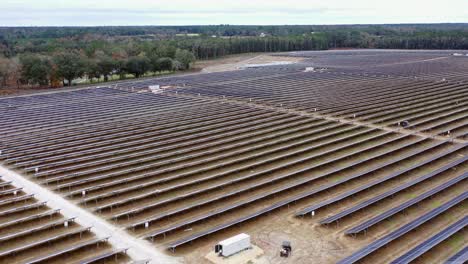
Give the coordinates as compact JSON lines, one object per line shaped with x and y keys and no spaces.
{"x":56,"y":56}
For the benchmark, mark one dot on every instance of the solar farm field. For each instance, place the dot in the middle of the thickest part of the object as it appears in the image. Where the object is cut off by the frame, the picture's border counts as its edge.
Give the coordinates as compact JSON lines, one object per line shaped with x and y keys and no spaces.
{"x":353,"y":156}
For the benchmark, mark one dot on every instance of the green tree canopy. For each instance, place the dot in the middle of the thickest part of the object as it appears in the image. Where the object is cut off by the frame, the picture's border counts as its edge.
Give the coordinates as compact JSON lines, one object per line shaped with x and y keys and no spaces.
{"x":185,"y":57}
{"x":92,"y":69}
{"x":70,"y":66}
{"x":35,"y":70}
{"x":106,"y":66}
{"x":5,"y":65}
{"x":155,"y":65}
{"x":166,"y":64}
{"x":138,"y":66}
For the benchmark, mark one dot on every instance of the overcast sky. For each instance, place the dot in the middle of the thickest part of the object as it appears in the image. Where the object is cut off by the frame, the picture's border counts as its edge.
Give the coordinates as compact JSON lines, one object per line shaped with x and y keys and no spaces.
{"x":242,"y":12}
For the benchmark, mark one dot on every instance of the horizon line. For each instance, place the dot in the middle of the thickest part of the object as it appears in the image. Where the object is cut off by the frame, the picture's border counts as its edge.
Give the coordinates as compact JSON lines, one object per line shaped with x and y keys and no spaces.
{"x":272,"y":25}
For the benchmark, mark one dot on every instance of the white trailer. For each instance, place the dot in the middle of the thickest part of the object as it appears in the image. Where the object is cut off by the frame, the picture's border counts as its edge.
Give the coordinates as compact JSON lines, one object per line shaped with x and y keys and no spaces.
{"x":155,"y":89}
{"x":233,"y":245}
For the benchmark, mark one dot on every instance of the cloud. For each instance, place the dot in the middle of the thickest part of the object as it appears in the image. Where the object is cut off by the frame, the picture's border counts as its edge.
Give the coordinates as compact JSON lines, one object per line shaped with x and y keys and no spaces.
{"x":183,"y":12}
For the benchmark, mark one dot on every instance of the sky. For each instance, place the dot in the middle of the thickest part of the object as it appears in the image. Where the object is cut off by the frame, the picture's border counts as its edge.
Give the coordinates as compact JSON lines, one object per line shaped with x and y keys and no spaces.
{"x":235,"y":12}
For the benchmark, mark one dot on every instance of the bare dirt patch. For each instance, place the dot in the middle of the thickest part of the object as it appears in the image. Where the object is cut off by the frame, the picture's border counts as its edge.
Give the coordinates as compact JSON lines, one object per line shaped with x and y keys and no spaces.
{"x":235,"y":62}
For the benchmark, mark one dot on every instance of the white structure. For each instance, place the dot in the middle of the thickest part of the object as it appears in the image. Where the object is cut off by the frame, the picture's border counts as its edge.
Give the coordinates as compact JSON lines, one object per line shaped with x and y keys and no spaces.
{"x":275,"y":63}
{"x":309,"y":69}
{"x":233,"y":245}
{"x":155,"y":89}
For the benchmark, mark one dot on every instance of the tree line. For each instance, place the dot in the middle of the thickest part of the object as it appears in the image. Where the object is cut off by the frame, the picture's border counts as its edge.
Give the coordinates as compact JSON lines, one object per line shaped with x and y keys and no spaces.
{"x":64,"y":67}
{"x":214,"y":47}
{"x":230,"y":30}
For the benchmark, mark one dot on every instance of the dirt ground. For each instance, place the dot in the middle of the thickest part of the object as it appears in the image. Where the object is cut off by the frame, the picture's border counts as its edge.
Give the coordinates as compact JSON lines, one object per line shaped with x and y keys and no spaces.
{"x":311,"y":242}
{"x":234,"y":62}
{"x":316,"y":245}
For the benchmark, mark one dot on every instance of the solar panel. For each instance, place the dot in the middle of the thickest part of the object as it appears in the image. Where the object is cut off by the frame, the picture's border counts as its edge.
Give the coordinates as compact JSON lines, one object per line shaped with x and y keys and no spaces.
{"x":381,"y":242}
{"x":460,"y":257}
{"x":364,"y":187}
{"x":365,"y":225}
{"x":431,"y":242}
{"x":382,"y":196}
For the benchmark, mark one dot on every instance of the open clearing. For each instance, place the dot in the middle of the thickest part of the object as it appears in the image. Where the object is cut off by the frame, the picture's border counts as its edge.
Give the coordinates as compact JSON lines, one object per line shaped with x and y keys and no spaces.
{"x":362,"y":158}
